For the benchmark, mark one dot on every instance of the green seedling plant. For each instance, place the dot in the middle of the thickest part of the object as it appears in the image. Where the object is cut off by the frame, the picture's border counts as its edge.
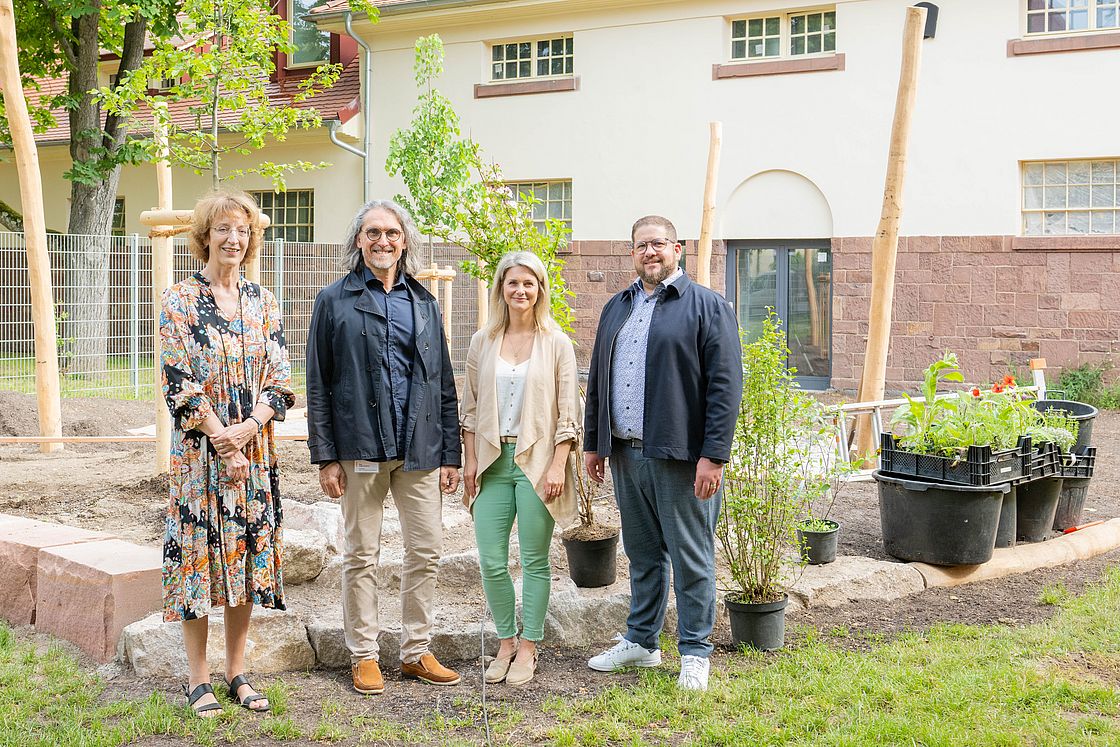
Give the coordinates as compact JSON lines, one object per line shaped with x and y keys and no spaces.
{"x":920,"y":418}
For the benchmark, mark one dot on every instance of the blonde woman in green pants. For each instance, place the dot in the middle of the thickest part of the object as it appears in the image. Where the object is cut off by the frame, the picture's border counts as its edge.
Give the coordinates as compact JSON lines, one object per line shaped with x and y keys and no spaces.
{"x":521,"y":419}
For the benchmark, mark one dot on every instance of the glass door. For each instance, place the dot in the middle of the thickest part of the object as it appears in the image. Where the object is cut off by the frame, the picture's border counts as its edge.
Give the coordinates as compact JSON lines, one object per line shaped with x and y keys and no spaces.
{"x":795,"y":279}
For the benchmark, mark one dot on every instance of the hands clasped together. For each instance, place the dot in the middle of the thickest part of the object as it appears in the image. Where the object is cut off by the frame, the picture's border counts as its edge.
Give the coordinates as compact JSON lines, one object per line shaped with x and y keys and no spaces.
{"x":230,"y":443}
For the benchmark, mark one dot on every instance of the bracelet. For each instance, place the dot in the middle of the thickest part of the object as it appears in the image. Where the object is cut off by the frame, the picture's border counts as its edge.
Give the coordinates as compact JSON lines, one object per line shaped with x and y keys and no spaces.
{"x":260,"y":425}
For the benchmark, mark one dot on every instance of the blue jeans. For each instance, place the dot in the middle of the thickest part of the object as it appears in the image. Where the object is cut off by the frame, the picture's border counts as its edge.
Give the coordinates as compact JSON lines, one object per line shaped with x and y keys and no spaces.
{"x":664,"y":524}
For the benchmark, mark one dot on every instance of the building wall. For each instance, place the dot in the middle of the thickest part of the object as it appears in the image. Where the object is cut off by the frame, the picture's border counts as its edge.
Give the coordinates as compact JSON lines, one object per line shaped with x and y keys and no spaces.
{"x":338,"y":189}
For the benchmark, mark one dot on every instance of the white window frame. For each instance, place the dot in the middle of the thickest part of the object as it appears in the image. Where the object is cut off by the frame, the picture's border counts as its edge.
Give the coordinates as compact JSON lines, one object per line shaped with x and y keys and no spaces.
{"x":785,"y":35}
{"x":533,"y":60}
{"x":541,"y":209}
{"x":1091,"y":8}
{"x":1047,"y":189}
{"x":280,"y":224}
{"x":292,"y":64}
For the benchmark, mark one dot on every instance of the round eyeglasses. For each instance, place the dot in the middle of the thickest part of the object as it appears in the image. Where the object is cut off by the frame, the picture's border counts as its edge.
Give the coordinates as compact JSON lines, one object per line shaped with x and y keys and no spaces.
{"x":375,"y":234}
{"x":656,"y":244}
{"x":224,"y":231}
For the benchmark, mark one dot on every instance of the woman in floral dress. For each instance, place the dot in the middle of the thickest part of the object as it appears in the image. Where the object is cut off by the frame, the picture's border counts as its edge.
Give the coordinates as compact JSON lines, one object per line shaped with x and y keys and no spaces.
{"x":226,"y":377}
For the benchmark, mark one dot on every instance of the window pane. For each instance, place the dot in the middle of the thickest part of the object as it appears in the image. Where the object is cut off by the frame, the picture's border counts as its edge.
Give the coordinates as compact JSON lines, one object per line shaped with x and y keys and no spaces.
{"x":1078,"y":222}
{"x":758,"y":49}
{"x":1079,"y":20}
{"x":1106,"y":18}
{"x":542,"y":67}
{"x":567,"y":64}
{"x":815,"y":22}
{"x":773,"y":48}
{"x":525,"y":50}
{"x":1032,"y":198}
{"x":830,"y":42}
{"x":1055,"y":223}
{"x":1078,"y":172}
{"x":558,"y":66}
{"x":755,"y":27}
{"x":497,"y":53}
{"x":511,"y":51}
{"x":1078,"y":196}
{"x":814,"y":43}
{"x":1055,"y":197}
{"x":738,"y":50}
{"x":1102,"y":222}
{"x":797,"y":24}
{"x":1032,"y":173}
{"x":1103,"y":195}
{"x":1032,"y":224}
{"x":1055,"y":173}
{"x":773,"y":26}
{"x":525,"y":69}
{"x":1036,"y":23}
{"x":1104,"y":172}
{"x":797,"y":45}
{"x":830,"y":20}
{"x":738,"y":29}
{"x":1057,"y":22}
{"x":497,"y":71}
{"x":568,"y":44}
{"x":542,"y":48}
{"x":1036,"y":4}
{"x":558,"y":46}
{"x":511,"y":69}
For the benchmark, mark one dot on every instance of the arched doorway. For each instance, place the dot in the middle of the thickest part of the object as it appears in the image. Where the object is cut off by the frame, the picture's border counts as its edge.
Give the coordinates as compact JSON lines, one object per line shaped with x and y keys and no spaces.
{"x":779,"y":254}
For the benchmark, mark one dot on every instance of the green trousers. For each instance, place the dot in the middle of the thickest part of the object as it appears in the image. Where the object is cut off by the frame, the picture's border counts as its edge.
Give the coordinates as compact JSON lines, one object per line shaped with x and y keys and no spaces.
{"x":506,"y":495}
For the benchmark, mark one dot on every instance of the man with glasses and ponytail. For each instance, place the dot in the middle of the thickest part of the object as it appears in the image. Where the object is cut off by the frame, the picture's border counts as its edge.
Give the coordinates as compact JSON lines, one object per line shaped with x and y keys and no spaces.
{"x":663,"y":394}
{"x":382,"y":417}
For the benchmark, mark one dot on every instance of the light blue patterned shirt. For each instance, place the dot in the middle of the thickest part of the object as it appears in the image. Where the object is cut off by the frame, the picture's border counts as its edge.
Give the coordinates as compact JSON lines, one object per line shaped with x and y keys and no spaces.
{"x":628,"y":362}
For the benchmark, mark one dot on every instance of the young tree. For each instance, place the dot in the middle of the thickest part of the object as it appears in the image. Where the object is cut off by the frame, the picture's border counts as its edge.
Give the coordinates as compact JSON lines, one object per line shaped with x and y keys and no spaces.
{"x":458,"y":198}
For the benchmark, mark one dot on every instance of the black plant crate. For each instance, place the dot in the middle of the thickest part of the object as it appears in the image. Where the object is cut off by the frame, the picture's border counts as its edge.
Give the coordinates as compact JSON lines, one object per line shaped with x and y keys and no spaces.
{"x":980,"y":466}
{"x":1045,"y":461}
{"x":1082,"y":466}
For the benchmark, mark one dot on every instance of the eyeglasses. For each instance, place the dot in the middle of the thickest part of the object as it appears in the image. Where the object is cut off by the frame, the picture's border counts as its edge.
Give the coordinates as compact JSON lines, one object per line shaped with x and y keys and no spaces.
{"x":224,"y":231}
{"x":656,"y":244}
{"x":375,"y":234}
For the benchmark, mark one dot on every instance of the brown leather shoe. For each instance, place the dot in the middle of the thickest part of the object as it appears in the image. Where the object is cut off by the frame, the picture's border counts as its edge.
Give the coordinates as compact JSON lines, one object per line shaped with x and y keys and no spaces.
{"x":367,"y":677}
{"x":427,"y":669}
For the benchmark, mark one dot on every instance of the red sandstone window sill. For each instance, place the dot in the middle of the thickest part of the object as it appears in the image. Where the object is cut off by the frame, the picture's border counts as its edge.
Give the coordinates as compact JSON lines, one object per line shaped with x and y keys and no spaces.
{"x":1048,"y":45}
{"x":1101,"y":243}
{"x":777,"y":67}
{"x":522,"y":88}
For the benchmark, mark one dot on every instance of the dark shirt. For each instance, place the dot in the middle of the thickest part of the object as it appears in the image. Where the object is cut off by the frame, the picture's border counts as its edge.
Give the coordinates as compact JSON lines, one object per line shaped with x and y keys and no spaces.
{"x":400,"y":343}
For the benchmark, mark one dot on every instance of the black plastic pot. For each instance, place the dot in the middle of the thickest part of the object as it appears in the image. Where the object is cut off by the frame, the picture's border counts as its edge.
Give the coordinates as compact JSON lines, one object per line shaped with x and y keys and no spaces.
{"x":1005,"y":534}
{"x":1071,"y":502}
{"x":1079,"y":411}
{"x":939,"y":523}
{"x":760,"y":626}
{"x":818,"y":548}
{"x":1037,"y":502}
{"x":591,"y":563}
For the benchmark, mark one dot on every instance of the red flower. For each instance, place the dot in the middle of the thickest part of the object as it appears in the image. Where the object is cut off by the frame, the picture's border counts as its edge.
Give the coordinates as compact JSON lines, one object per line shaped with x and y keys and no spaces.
{"x":975,"y":391}
{"x":1008,"y":380}
{"x":997,"y":388}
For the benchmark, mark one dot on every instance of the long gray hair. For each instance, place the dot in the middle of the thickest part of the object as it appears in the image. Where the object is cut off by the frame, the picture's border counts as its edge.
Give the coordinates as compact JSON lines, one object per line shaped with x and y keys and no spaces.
{"x":352,"y":255}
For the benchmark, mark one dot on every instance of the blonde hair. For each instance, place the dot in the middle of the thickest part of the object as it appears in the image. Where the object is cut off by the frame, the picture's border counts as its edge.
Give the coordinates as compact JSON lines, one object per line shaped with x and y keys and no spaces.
{"x":213,"y":207}
{"x":499,"y":311}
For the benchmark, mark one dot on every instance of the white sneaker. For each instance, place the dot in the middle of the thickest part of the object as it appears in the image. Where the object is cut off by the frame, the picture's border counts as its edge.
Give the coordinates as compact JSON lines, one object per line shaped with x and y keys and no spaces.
{"x":694,"y":673}
{"x":624,"y":654}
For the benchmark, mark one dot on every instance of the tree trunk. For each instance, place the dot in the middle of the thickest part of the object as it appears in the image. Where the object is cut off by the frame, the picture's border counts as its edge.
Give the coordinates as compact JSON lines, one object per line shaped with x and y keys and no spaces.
{"x":86,"y":260}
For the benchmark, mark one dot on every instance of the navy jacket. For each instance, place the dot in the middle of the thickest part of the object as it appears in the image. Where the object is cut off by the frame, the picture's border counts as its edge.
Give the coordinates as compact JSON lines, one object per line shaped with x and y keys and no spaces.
{"x":348,"y":416}
{"x":694,"y":375}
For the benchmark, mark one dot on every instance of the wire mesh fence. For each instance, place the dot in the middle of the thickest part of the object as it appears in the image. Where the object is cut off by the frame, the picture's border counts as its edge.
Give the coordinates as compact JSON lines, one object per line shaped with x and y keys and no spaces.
{"x":102,"y":289}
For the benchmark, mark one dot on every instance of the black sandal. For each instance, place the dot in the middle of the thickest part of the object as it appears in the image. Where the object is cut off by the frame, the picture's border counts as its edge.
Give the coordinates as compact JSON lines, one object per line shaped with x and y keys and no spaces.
{"x":196,"y":695}
{"x":236,"y":684}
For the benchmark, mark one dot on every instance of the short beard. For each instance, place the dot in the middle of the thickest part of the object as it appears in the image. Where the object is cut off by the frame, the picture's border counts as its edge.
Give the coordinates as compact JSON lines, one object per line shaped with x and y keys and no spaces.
{"x":655,"y":279}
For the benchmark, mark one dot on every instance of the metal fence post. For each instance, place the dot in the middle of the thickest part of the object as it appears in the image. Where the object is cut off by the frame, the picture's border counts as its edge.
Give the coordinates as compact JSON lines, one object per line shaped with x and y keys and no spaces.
{"x":278,"y":275}
{"x":134,"y":312}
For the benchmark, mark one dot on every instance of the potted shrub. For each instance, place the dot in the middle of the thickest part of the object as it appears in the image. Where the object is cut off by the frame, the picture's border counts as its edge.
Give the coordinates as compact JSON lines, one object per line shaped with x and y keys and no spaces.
{"x":768,"y":484}
{"x":591,"y":547}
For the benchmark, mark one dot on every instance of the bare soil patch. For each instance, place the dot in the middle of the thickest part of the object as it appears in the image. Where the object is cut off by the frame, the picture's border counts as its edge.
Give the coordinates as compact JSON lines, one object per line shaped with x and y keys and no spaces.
{"x":111,"y":488}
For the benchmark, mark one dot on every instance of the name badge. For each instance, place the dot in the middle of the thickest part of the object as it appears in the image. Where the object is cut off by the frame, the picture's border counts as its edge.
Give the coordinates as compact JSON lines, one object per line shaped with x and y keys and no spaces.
{"x":362,"y":467}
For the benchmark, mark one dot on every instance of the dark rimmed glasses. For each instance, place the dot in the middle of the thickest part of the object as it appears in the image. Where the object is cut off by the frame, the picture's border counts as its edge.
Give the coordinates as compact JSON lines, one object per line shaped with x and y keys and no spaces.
{"x":375,"y":234}
{"x":658,"y":245}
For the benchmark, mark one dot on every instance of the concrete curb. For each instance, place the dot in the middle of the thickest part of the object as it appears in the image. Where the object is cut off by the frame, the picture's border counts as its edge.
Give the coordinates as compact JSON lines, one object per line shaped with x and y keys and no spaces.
{"x":1079,"y":545}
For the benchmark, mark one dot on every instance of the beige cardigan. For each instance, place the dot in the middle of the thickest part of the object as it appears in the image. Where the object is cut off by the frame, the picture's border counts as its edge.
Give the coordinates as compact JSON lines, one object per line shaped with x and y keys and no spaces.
{"x":551,"y":413}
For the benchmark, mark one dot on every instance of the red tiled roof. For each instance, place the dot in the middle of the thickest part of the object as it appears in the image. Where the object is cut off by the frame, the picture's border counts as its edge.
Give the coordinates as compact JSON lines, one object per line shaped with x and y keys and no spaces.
{"x":337,"y":6}
{"x":340,"y":101}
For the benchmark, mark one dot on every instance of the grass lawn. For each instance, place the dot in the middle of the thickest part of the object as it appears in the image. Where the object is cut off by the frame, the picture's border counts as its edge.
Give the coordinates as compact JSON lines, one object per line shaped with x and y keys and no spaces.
{"x":1052,"y":683}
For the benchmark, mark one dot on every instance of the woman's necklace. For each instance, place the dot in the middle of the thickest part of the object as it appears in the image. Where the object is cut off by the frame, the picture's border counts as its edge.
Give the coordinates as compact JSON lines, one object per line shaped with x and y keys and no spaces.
{"x":520,"y":350}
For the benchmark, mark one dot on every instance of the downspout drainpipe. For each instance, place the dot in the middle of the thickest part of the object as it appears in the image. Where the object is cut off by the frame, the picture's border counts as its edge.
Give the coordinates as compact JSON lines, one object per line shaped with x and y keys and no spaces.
{"x":367,"y":107}
{"x":332,"y":131}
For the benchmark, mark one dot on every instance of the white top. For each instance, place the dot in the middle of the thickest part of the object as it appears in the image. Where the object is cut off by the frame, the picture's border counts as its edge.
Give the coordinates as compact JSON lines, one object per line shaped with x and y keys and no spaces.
{"x":510,"y":381}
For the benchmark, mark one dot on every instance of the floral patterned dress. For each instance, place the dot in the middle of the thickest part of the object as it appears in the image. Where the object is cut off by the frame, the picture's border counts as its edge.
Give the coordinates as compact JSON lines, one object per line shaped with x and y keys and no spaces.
{"x":223,"y":543}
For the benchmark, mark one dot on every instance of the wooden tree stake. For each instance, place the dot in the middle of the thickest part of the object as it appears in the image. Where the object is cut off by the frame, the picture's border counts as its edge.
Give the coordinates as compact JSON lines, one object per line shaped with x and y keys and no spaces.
{"x":884,"y":247}
{"x":483,"y":299}
{"x":707,"y":219}
{"x":163,"y":261}
{"x":47,"y":392}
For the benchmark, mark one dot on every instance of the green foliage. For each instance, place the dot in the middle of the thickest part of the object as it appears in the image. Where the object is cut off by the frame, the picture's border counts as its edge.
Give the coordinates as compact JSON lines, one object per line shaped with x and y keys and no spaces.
{"x":1054,"y":594}
{"x":460,"y":199}
{"x":222,"y":75}
{"x":1086,"y":383}
{"x":948,"y":424}
{"x":776,"y":468}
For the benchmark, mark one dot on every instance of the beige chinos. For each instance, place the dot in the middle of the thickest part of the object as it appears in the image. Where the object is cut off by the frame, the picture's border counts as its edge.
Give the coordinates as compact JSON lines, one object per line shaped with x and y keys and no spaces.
{"x":417,"y":497}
